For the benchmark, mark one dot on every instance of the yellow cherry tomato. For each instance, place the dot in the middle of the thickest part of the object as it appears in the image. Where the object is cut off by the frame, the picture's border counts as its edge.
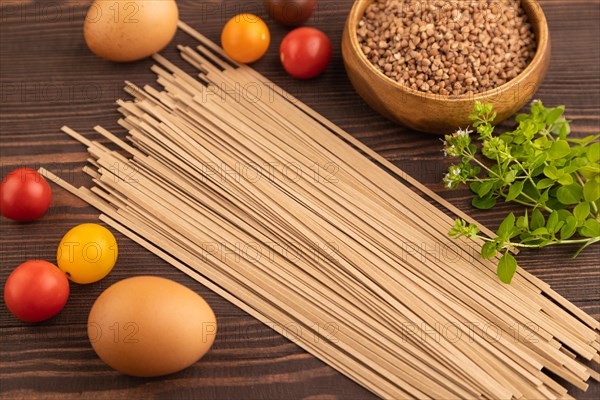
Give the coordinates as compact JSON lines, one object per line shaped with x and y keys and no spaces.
{"x":87,"y":253}
{"x":245,"y":38}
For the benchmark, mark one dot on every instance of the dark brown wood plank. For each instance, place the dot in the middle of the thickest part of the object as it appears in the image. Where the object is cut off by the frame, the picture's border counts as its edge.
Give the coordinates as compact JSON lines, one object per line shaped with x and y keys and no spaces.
{"x":49,"y":78}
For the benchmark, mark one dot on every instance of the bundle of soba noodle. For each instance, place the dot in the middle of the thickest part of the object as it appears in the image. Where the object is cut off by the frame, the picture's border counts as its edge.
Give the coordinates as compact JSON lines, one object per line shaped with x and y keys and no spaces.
{"x":354,"y":259}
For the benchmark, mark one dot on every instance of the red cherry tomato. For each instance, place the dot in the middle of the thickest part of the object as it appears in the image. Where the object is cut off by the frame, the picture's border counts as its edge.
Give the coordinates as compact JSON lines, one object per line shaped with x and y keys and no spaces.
{"x":305,"y":52}
{"x":36,"y":290}
{"x":24,"y":195}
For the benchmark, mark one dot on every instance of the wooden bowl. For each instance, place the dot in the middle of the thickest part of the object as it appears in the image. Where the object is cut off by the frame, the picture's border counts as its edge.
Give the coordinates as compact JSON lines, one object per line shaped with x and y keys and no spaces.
{"x":435,"y":113}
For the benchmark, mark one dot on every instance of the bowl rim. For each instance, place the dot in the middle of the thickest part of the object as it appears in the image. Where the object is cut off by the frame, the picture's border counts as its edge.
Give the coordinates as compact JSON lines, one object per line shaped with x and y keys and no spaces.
{"x":538,"y":58}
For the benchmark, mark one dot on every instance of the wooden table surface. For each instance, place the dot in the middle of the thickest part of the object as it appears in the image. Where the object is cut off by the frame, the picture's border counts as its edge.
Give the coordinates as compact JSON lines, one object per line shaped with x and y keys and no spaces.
{"x":49,"y":78}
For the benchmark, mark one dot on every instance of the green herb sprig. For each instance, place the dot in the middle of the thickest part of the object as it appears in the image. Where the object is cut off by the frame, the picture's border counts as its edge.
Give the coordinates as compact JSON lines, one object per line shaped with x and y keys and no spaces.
{"x":556,"y":178}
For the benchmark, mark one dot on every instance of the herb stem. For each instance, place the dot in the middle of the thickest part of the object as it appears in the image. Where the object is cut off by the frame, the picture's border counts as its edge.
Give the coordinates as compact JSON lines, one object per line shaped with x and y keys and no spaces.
{"x":536,"y":246}
{"x":533,"y":204}
{"x":473,"y":158}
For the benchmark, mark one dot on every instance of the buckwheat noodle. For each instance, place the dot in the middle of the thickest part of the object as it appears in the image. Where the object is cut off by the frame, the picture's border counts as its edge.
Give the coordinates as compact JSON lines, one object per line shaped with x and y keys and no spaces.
{"x":345,"y":260}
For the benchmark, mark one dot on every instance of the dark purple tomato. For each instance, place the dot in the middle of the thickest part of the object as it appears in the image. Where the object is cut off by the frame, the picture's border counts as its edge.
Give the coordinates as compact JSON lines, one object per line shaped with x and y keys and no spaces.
{"x":290,"y":12}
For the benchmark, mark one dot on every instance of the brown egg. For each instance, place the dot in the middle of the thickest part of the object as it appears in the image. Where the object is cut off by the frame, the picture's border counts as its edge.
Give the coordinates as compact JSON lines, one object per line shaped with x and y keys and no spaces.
{"x":126,"y":30}
{"x":150,"y":326}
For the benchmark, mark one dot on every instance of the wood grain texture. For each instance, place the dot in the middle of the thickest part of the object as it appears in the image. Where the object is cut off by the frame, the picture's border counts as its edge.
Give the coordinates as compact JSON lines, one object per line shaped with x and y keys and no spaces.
{"x":49,"y":78}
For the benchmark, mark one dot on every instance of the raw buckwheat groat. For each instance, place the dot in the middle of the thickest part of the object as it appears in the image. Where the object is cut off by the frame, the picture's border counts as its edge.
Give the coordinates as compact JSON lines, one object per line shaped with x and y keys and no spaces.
{"x":449,"y":48}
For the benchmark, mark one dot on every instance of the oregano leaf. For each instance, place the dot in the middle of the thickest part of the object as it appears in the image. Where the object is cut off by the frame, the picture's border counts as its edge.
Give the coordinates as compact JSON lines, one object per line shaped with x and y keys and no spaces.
{"x":566,"y":179}
{"x":485,"y":188}
{"x":591,"y":190}
{"x":581,"y":212}
{"x":554,"y":114}
{"x":474,"y":186}
{"x":593,"y":152}
{"x":563,"y":214}
{"x":570,"y":194}
{"x":569,"y":228}
{"x":483,"y":203}
{"x":552,"y":221}
{"x":515,"y":190}
{"x":537,"y":219}
{"x":590,"y":228}
{"x":551,"y":172}
{"x":590,"y":171}
{"x":559,"y":149}
{"x":522,"y":222}
{"x":488,"y":250}
{"x":539,"y":160}
{"x":544,"y":183}
{"x":506,"y":226}
{"x":507,"y":266}
{"x":540,"y":231}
